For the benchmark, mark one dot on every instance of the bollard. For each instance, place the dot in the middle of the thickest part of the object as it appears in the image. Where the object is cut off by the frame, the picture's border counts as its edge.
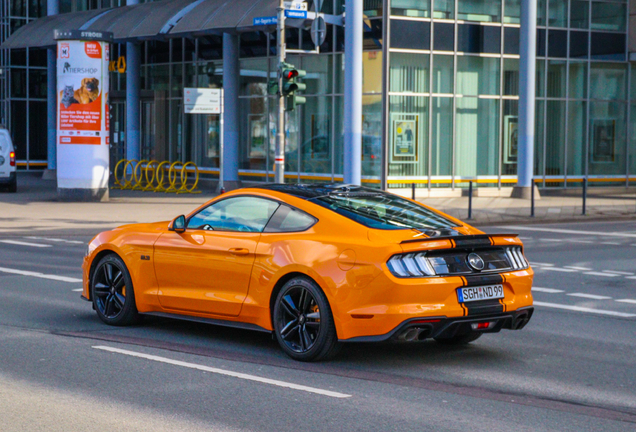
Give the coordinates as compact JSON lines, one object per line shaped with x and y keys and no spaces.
{"x":532,"y":199}
{"x":413,"y":191}
{"x":470,"y":199}
{"x":584,"y":195}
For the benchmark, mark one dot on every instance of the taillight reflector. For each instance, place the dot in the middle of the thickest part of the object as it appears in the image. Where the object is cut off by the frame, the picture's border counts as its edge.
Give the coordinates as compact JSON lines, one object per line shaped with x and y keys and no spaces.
{"x":12,"y":158}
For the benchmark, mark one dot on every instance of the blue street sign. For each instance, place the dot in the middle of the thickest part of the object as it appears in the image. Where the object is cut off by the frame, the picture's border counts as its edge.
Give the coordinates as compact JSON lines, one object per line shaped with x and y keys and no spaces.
{"x":265,"y":20}
{"x":296,"y":14}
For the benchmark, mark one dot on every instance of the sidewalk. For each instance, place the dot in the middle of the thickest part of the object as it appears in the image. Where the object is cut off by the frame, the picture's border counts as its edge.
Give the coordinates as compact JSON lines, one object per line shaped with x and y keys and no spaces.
{"x":35,"y":207}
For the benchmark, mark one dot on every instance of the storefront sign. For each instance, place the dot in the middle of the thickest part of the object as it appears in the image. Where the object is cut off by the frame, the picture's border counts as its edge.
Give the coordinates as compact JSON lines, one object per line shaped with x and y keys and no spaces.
{"x":118,"y":65}
{"x":202,"y":101}
{"x":82,"y":121}
{"x":271,"y":20}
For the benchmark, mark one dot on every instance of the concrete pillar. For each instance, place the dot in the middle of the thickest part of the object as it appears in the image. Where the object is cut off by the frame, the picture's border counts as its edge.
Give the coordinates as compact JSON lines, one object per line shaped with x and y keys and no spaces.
{"x":133,"y":84}
{"x":353,"y":93}
{"x":231,"y":71}
{"x":52,"y":8}
{"x":527,"y":77}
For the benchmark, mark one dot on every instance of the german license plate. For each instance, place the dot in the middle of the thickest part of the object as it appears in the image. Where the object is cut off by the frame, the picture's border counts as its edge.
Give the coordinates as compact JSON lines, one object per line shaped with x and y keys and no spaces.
{"x":465,"y":295}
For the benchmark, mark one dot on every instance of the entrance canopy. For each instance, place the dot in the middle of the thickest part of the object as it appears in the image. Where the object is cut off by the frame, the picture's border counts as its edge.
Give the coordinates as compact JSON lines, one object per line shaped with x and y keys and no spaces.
{"x":167,"y":18}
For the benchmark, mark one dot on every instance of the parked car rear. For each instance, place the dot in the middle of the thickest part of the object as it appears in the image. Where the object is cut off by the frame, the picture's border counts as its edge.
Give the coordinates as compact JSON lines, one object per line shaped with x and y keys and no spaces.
{"x":7,"y":162}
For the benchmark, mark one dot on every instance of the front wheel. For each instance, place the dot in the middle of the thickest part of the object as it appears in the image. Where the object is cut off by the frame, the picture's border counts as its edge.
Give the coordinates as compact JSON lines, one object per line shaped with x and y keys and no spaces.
{"x":462,"y":339}
{"x":303,"y":322}
{"x":112,"y":292}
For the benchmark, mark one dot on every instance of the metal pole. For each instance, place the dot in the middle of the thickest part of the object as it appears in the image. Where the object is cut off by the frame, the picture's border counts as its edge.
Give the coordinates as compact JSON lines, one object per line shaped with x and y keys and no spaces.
{"x":133,"y":97}
{"x":279,"y":161}
{"x":413,"y":191}
{"x":470,"y":199}
{"x":52,"y":8}
{"x":231,"y":116}
{"x":532,"y":200}
{"x":584,"y":196}
{"x":527,"y":70}
{"x":221,"y":146}
{"x":353,"y":93}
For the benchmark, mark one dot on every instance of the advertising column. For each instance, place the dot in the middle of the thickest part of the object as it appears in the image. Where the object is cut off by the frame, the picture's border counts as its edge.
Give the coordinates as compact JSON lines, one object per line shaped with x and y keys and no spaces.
{"x":83,"y":118}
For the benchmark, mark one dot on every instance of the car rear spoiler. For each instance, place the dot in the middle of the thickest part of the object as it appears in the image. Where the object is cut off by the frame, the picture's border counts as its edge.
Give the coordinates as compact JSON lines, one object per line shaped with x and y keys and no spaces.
{"x":464,"y":240}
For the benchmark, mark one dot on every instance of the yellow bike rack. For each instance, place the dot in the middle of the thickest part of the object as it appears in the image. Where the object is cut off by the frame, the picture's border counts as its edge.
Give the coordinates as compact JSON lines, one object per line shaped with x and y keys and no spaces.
{"x":118,"y":184}
{"x":161,"y":174}
{"x":152,"y":168}
{"x":184,"y":180}
{"x":172,"y":179}
{"x":128,"y":182}
{"x":138,"y":178}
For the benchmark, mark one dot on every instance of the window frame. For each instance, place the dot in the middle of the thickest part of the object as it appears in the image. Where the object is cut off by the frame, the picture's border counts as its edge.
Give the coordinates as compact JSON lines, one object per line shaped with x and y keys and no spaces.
{"x":292,"y":208}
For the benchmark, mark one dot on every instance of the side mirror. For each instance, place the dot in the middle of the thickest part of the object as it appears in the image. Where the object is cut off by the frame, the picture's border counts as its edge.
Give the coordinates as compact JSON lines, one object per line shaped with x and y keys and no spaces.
{"x":178,"y":224}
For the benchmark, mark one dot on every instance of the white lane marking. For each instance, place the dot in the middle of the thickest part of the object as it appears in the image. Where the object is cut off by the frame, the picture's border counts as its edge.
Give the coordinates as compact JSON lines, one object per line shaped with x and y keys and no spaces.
{"x":566,"y":231}
{"x":21,"y":243}
{"x":610,"y":243}
{"x":630,"y":277}
{"x":547,"y":290}
{"x":630,"y":301}
{"x":579,"y":268}
{"x":590,"y":296}
{"x":56,"y":240}
{"x":223,"y":372}
{"x":40,"y":275}
{"x":619,"y":272}
{"x":580,"y":241}
{"x":584,"y":309}
{"x":593,"y":273}
{"x":541,"y":264}
{"x":559,"y":269}
{"x":552,"y":240}
{"x":78,"y":290}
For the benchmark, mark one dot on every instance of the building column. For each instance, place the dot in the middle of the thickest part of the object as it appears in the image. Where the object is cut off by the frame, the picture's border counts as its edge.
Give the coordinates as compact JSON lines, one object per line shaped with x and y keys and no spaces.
{"x":133,"y":84}
{"x":231,"y":76}
{"x":527,"y":77}
{"x":353,"y":93}
{"x":52,"y":8}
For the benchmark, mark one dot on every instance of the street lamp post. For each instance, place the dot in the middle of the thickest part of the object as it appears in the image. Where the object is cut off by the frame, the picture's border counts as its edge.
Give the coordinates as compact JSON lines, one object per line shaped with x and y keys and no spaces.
{"x":279,"y":162}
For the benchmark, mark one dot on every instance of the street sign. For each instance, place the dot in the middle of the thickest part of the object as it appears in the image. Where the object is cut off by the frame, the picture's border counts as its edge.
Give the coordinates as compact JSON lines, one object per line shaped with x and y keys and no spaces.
{"x":295,"y":5}
{"x":201,"y":101}
{"x":318,"y":31}
{"x":270,"y":20}
{"x":296,"y":14}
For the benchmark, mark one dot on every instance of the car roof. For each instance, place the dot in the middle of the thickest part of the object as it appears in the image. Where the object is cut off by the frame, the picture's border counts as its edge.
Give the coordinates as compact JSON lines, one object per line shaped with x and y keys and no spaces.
{"x":309,"y":191}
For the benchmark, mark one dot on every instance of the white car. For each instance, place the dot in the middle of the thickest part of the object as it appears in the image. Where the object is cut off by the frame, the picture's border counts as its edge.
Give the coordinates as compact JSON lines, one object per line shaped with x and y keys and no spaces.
{"x":7,"y":162}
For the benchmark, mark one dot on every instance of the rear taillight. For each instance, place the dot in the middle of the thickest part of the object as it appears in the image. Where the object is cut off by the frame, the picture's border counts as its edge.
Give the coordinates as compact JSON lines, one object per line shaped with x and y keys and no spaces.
{"x":12,"y":158}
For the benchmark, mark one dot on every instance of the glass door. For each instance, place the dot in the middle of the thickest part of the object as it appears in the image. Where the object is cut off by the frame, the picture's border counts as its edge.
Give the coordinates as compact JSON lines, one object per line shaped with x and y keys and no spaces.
{"x":117,"y":132}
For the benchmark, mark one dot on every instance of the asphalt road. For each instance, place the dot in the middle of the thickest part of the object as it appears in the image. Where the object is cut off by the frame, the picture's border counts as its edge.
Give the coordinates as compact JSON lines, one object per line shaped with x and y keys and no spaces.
{"x":572,"y":368}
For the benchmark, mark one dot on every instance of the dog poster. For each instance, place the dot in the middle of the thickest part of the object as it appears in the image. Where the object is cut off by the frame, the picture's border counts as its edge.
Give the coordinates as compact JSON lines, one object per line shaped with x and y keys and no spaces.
{"x":82,"y":92}
{"x":82,"y":112}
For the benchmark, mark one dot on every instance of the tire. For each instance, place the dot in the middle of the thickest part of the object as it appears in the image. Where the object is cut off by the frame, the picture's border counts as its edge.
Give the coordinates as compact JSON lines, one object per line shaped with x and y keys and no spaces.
{"x":112,"y":292}
{"x":13,"y":187}
{"x":303,"y":322}
{"x":463,"y":339}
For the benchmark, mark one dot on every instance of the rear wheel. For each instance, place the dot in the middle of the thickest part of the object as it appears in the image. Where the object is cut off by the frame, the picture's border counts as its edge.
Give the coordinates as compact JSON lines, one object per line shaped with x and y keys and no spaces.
{"x":303,"y":322}
{"x":462,"y":339}
{"x":13,"y":186}
{"x":112,"y":292}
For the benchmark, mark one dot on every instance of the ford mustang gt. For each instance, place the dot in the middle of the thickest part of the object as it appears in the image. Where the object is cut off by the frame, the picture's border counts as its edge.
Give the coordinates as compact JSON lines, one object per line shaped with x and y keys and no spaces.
{"x":317,"y":265}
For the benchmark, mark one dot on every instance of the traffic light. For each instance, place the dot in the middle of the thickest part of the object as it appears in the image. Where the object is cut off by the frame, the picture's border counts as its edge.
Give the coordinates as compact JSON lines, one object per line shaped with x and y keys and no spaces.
{"x":290,"y":75}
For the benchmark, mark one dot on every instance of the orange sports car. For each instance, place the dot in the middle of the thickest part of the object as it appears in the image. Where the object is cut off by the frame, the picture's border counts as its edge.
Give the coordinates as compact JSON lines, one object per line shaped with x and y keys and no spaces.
{"x":317,"y":265}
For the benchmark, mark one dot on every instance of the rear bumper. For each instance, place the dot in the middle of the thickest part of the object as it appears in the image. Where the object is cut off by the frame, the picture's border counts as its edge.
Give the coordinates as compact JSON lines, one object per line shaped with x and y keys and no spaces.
{"x":8,"y":180}
{"x":419,"y":329}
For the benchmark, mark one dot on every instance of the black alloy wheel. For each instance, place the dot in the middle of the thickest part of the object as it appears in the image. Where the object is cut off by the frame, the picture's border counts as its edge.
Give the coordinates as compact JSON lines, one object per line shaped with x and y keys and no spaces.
{"x":303,"y":322}
{"x":112,"y":292}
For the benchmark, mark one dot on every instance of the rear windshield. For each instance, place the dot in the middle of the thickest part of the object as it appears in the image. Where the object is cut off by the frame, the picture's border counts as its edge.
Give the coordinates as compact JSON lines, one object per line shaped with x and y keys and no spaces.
{"x":381,"y":210}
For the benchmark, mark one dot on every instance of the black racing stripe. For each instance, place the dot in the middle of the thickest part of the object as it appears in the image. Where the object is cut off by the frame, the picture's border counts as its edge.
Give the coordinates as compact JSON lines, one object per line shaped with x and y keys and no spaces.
{"x":492,"y":241}
{"x":477,"y":280}
{"x":503,"y":304}
{"x":453,"y":244}
{"x":465,"y":311}
{"x":464,"y":282}
{"x":483,"y":307}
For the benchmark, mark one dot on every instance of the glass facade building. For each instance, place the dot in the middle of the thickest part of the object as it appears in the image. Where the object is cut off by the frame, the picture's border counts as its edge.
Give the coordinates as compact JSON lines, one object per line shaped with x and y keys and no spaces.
{"x":440,"y":95}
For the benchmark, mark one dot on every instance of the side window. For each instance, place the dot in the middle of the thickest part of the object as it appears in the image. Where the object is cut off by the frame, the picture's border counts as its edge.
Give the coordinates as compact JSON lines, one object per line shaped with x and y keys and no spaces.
{"x":243,"y":213}
{"x":288,"y":219}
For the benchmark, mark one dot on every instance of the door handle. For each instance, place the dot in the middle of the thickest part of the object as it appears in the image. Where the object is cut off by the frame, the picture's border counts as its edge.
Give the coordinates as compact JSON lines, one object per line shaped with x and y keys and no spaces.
{"x":239,"y":251}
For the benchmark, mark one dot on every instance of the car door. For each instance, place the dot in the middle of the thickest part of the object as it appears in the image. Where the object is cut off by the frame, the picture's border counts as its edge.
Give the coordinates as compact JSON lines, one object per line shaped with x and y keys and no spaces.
{"x":207,"y":268}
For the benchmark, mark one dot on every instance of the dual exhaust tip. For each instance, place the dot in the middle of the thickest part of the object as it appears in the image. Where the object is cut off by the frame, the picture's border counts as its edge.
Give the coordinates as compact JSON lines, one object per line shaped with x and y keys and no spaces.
{"x":415,"y":334}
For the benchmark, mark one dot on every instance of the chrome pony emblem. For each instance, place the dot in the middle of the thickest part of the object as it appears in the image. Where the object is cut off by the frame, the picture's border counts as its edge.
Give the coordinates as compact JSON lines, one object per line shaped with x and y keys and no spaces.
{"x":475,"y":262}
